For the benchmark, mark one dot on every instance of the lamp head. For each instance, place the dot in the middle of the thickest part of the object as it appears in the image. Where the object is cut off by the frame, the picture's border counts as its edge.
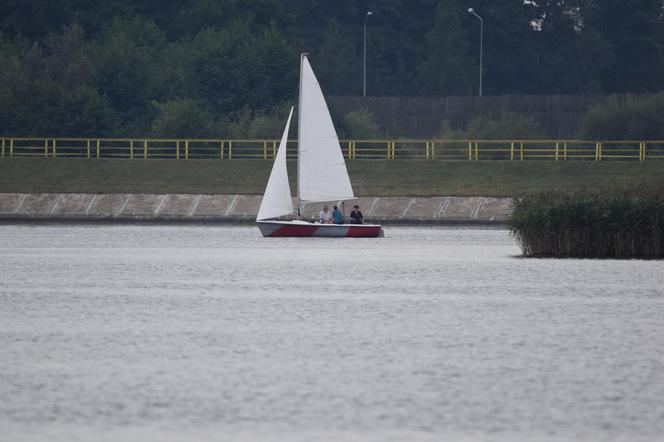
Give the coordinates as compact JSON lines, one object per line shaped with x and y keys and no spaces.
{"x":471,"y":10}
{"x":369,"y":13}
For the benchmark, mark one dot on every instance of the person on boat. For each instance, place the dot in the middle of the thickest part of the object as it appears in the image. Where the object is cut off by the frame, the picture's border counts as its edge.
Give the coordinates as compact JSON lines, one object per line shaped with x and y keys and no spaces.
{"x":337,"y":216}
{"x":324,"y":216}
{"x":356,"y":216}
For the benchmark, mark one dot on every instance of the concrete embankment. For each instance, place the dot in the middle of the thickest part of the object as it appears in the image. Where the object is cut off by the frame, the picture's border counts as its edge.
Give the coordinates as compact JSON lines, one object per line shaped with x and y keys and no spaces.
{"x":87,"y":207}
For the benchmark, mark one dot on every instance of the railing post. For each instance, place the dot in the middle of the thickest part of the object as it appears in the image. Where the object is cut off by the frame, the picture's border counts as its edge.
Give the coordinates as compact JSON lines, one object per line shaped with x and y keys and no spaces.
{"x":264,"y":150}
{"x":230,"y":149}
{"x":521,"y":151}
{"x":177,"y":150}
{"x":565,"y":150}
{"x":644,"y":151}
{"x":3,"y":149}
{"x":221,"y":150}
{"x":274,"y":148}
{"x":145,"y":149}
{"x":470,"y":151}
{"x":512,"y":151}
{"x":394,"y":150}
{"x":87,"y":146}
{"x":354,"y":150}
{"x":46,"y":148}
{"x":598,"y":155}
{"x":433,"y":150}
{"x":11,"y":148}
{"x":557,"y":148}
{"x":98,"y":148}
{"x":131,"y":149}
{"x":426,"y":155}
{"x":477,"y":157}
{"x":186,"y":149}
{"x":54,"y":148}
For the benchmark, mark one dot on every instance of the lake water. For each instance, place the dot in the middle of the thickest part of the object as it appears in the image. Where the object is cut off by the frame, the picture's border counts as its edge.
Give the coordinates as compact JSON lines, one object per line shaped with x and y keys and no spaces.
{"x":179,"y":333}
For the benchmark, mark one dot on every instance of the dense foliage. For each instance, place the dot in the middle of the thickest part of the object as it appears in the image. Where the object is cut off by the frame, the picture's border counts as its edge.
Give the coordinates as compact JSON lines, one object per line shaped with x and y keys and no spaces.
{"x":507,"y":127}
{"x":634,"y":118}
{"x":601,"y":225}
{"x":212,"y":67}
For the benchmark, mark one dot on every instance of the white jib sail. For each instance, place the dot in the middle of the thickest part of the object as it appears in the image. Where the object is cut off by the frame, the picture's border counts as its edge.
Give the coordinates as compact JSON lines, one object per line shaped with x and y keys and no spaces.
{"x":322,"y":174}
{"x":277,"y":199}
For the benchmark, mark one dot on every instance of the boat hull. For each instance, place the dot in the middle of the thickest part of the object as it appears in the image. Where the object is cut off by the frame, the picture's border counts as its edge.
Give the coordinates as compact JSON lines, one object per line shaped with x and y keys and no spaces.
{"x":302,"y":229}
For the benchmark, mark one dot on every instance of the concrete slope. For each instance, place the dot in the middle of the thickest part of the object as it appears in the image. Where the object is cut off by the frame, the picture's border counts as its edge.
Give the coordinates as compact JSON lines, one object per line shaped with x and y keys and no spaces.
{"x":79,"y":207}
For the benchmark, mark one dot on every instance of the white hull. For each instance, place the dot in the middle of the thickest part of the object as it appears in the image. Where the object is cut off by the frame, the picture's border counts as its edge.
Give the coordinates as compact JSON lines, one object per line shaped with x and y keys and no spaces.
{"x":303,"y":229}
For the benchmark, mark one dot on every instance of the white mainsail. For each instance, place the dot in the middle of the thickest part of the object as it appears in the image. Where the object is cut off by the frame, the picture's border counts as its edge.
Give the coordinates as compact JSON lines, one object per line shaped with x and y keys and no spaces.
{"x":277,"y":199}
{"x":322,"y":174}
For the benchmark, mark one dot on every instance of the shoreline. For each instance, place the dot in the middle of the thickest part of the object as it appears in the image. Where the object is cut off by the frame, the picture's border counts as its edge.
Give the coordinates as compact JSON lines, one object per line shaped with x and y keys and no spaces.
{"x":218,"y":221}
{"x":17,"y":208}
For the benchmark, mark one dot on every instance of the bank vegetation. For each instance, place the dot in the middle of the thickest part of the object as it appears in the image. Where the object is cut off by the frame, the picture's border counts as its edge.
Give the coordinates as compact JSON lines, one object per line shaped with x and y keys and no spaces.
{"x":602,"y":224}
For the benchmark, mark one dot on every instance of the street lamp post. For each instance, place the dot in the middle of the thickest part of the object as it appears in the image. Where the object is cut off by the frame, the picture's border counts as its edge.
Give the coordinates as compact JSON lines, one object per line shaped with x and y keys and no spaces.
{"x":472,"y":11}
{"x":364,"y":83}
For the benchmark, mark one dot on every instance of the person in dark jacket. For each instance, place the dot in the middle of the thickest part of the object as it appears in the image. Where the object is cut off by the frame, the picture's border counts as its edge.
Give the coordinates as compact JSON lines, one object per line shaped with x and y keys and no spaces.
{"x":356,"y":216}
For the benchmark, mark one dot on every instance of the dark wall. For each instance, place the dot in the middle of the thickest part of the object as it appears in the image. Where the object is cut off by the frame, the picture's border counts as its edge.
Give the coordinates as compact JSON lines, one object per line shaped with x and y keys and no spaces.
{"x":420,"y":117}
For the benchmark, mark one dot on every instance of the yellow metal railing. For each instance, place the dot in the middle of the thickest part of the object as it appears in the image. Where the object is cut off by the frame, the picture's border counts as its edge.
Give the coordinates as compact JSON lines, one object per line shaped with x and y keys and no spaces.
{"x":392,"y":149}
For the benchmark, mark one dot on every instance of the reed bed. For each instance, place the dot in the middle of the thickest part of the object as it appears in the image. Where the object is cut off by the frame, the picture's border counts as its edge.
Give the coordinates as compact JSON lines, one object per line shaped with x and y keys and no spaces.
{"x":607,"y":224}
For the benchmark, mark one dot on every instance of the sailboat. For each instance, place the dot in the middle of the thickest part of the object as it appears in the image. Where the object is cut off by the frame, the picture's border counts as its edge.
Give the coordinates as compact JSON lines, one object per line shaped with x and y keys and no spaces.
{"x":321,"y":171}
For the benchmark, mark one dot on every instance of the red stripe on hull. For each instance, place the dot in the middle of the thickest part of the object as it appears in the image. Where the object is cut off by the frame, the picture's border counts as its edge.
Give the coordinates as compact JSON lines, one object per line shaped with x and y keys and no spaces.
{"x":297,"y":230}
{"x":363,"y":232}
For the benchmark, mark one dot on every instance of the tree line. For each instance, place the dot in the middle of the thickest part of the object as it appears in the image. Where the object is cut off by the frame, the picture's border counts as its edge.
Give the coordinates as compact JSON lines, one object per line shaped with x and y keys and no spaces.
{"x":230,"y":67}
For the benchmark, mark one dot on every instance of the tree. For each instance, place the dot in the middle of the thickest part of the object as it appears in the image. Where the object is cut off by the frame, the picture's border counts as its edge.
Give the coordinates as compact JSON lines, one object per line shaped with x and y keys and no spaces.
{"x":270,"y":63}
{"x":508,"y":53}
{"x":567,"y":52}
{"x":360,"y":124}
{"x":338,"y":63}
{"x":625,"y":119}
{"x":447,"y":69}
{"x":196,"y":15}
{"x":236,"y":68}
{"x":126,"y":57}
{"x":236,"y":60}
{"x":66,"y":60}
{"x":634,"y":30}
{"x":180,"y":118}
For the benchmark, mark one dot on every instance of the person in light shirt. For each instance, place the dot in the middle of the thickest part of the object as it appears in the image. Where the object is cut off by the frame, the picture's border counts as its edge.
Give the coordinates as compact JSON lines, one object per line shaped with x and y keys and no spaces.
{"x":325,"y":217}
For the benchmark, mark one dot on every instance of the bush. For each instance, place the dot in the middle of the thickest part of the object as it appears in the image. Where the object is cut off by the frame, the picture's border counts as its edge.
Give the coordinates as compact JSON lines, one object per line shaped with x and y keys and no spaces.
{"x":181,"y":118}
{"x":605,"y":225}
{"x":507,"y":127}
{"x":248,"y":124}
{"x":360,"y":124}
{"x":446,"y":131}
{"x":634,"y":118}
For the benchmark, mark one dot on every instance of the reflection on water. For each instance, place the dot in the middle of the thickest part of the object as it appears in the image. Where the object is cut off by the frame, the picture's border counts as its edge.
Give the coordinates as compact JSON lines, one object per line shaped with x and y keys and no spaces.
{"x":205,"y":333}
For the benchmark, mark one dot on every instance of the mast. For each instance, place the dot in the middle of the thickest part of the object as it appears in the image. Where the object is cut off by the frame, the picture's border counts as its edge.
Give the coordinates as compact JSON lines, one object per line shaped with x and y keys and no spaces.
{"x":299,"y":132}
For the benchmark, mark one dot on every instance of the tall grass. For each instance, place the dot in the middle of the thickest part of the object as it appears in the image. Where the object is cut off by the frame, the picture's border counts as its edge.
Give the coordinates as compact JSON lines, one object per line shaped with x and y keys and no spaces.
{"x":600,"y":225}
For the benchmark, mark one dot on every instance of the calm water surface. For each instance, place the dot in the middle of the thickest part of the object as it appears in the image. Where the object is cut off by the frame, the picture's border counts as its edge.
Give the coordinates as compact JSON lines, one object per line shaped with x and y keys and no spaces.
{"x":135,"y":333}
